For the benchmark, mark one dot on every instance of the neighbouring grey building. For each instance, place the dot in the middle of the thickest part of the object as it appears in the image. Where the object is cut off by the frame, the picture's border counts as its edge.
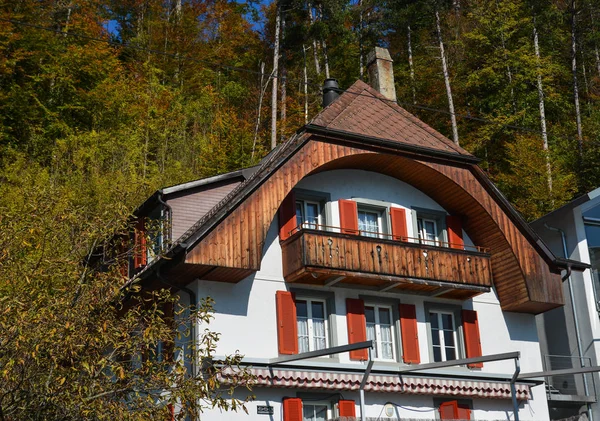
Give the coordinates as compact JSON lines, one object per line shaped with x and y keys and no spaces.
{"x":570,"y":335}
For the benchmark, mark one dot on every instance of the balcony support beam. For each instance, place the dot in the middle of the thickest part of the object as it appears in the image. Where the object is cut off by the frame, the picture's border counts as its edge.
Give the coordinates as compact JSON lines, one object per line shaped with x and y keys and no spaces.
{"x":334,"y":280}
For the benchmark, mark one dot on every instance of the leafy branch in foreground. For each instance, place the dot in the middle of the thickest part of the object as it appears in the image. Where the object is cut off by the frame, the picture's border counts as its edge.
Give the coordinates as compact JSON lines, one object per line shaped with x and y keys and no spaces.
{"x":66,"y":350}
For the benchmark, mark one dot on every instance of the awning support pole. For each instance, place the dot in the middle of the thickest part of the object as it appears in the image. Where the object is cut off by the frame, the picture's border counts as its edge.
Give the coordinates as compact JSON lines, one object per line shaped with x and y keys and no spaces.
{"x":513,"y":388}
{"x":363,"y":383}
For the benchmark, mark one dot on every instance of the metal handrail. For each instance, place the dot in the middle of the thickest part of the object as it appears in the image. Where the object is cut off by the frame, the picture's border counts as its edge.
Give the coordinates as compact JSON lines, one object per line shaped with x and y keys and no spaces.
{"x":403,"y":239}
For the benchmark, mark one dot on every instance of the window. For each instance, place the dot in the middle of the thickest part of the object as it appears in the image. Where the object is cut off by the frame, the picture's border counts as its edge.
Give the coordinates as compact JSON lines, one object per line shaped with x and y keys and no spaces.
{"x":429,"y":226}
{"x":427,"y":231}
{"x":380,"y":331}
{"x":312,"y":325}
{"x":443,"y":336}
{"x":308,"y":214}
{"x":316,"y":411}
{"x":369,"y":223}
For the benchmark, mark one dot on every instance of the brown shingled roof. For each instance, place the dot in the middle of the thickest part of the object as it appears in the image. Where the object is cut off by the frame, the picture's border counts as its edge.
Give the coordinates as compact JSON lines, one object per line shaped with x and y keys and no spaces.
{"x":364,"y":111}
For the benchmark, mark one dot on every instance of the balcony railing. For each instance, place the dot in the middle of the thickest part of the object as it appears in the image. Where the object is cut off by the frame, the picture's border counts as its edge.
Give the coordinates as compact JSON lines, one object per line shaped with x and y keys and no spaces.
{"x":569,"y":387}
{"x":324,"y":255}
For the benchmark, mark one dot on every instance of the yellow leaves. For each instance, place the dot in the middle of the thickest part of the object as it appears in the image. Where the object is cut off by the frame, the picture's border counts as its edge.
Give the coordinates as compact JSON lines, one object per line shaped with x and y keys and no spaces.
{"x":61,"y":381}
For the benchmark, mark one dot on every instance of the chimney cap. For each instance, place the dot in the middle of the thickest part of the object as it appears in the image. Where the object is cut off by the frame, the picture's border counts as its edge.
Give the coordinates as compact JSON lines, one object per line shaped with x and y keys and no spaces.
{"x":378,"y":53}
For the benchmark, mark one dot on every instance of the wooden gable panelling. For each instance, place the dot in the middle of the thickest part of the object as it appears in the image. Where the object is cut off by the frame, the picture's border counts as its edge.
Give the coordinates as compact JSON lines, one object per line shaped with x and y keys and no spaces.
{"x":522,"y":278}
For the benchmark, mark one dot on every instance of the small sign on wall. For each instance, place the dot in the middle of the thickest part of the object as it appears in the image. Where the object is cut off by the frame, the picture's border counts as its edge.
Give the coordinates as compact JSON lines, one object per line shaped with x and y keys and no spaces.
{"x":264,"y":410}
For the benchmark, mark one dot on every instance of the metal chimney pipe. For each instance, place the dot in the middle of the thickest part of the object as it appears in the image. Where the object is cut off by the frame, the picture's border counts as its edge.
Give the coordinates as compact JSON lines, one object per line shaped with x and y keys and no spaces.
{"x":330,"y":91}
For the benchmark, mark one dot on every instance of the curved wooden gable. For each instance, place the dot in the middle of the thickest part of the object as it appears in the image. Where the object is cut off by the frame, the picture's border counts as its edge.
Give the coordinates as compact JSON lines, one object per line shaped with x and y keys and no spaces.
{"x":522,"y":278}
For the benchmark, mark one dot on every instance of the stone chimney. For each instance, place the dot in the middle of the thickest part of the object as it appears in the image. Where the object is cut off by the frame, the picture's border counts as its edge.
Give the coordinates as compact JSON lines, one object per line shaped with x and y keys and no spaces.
{"x":381,"y":72}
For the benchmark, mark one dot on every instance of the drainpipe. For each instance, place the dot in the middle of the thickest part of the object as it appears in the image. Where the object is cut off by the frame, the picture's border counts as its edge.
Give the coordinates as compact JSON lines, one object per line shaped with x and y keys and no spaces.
{"x":572,"y":300}
{"x":193,"y":302}
{"x":513,"y":389}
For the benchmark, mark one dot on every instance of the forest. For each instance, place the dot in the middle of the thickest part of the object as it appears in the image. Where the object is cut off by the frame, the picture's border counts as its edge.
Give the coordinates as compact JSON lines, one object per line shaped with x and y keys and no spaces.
{"x":104,"y":101}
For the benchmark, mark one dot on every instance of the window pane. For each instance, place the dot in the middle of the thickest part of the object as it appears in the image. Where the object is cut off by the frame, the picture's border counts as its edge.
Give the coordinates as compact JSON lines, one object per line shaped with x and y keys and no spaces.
{"x":435,"y":336}
{"x":303,"y":339}
{"x":301,"y":310}
{"x":448,"y":337}
{"x":386,"y":342}
{"x":437,"y":354}
{"x":299,"y":216}
{"x":312,"y":214}
{"x":320,"y":341}
{"x":318,"y":310}
{"x":450,"y":354}
{"x":308,"y":412}
{"x":384,"y":316}
{"x":370,"y":314}
{"x":368,"y":223}
{"x":371,"y":332}
{"x":320,"y":412}
{"x":447,"y":321}
{"x":433,"y":318}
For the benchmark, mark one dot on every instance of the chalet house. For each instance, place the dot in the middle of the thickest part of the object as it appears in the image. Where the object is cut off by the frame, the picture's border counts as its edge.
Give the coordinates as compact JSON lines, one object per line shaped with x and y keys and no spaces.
{"x":367,"y":225}
{"x":570,"y":335}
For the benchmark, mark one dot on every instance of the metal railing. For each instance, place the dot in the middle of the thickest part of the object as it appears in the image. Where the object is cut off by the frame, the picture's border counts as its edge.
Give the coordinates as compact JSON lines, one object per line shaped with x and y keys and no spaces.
{"x":568,"y":384}
{"x":307,"y":226}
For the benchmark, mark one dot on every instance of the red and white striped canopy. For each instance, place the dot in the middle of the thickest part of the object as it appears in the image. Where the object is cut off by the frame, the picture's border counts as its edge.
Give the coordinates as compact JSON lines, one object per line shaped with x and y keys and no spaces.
{"x":386,"y":383}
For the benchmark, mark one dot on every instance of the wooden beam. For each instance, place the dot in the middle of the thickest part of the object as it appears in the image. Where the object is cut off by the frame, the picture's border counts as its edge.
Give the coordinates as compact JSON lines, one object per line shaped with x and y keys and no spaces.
{"x":334,"y":280}
{"x":391,"y":286}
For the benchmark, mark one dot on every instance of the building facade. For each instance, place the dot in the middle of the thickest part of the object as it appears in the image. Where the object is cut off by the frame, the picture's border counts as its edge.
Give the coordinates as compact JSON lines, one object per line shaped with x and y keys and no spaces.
{"x":570,"y":335}
{"x":367,"y":225}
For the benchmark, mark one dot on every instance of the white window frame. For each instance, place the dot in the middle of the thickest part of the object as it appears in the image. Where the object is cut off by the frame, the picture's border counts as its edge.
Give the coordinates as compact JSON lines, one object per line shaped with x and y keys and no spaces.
{"x":328,"y":404}
{"x":441,"y":334}
{"x":380,"y":220}
{"x":421,"y":234}
{"x":378,"y":345}
{"x":309,"y":321}
{"x":306,"y":224}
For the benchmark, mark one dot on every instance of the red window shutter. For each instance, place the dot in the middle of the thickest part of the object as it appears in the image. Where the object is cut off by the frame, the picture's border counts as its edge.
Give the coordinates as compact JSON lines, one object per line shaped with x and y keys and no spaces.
{"x":139,"y":255}
{"x":171,"y":409}
{"x":463,"y":412}
{"x":449,"y":410}
{"x":399,"y":228}
{"x":472,"y":339}
{"x":454,"y":226}
{"x":348,"y":216}
{"x":292,"y":409}
{"x":357,"y":327}
{"x":347,"y":408}
{"x":287,"y":216}
{"x":410,"y":334}
{"x":287,"y":328}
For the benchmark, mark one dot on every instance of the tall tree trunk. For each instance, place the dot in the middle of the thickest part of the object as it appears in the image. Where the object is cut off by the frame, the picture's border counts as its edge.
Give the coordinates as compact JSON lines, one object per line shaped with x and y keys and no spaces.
{"x":508,"y":69}
{"x":575,"y":86}
{"x":283,"y":112}
{"x":542,"y":107}
{"x":259,"y":106}
{"x":275,"y":75}
{"x":446,"y":79}
{"x":305,"y":86}
{"x":326,"y":57}
{"x":314,"y":41}
{"x":361,"y":55}
{"x":411,"y":67}
{"x":596,"y":52}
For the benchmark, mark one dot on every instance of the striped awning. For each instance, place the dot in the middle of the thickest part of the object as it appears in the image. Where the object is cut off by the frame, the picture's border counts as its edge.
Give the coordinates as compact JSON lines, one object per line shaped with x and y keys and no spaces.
{"x":386,"y":383}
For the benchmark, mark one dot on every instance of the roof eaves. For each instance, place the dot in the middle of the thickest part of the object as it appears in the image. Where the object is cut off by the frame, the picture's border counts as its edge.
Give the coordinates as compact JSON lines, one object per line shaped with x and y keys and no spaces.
{"x":525,"y":228}
{"x":243,"y":173}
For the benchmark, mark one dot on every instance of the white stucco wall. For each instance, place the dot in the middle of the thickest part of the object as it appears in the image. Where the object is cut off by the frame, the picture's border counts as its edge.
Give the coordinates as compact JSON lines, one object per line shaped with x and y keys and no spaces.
{"x":245,"y":313}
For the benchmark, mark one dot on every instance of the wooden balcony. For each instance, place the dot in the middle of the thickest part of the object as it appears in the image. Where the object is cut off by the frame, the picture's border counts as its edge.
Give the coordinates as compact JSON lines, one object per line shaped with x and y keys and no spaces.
{"x":326,"y":257}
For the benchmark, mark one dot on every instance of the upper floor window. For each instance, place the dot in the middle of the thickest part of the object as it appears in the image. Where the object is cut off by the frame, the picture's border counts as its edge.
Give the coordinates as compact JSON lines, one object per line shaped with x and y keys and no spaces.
{"x":443,"y":336}
{"x":312,"y":324}
{"x":380,"y":331}
{"x":370,"y":221}
{"x":427,"y":231}
{"x":308,"y":214}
